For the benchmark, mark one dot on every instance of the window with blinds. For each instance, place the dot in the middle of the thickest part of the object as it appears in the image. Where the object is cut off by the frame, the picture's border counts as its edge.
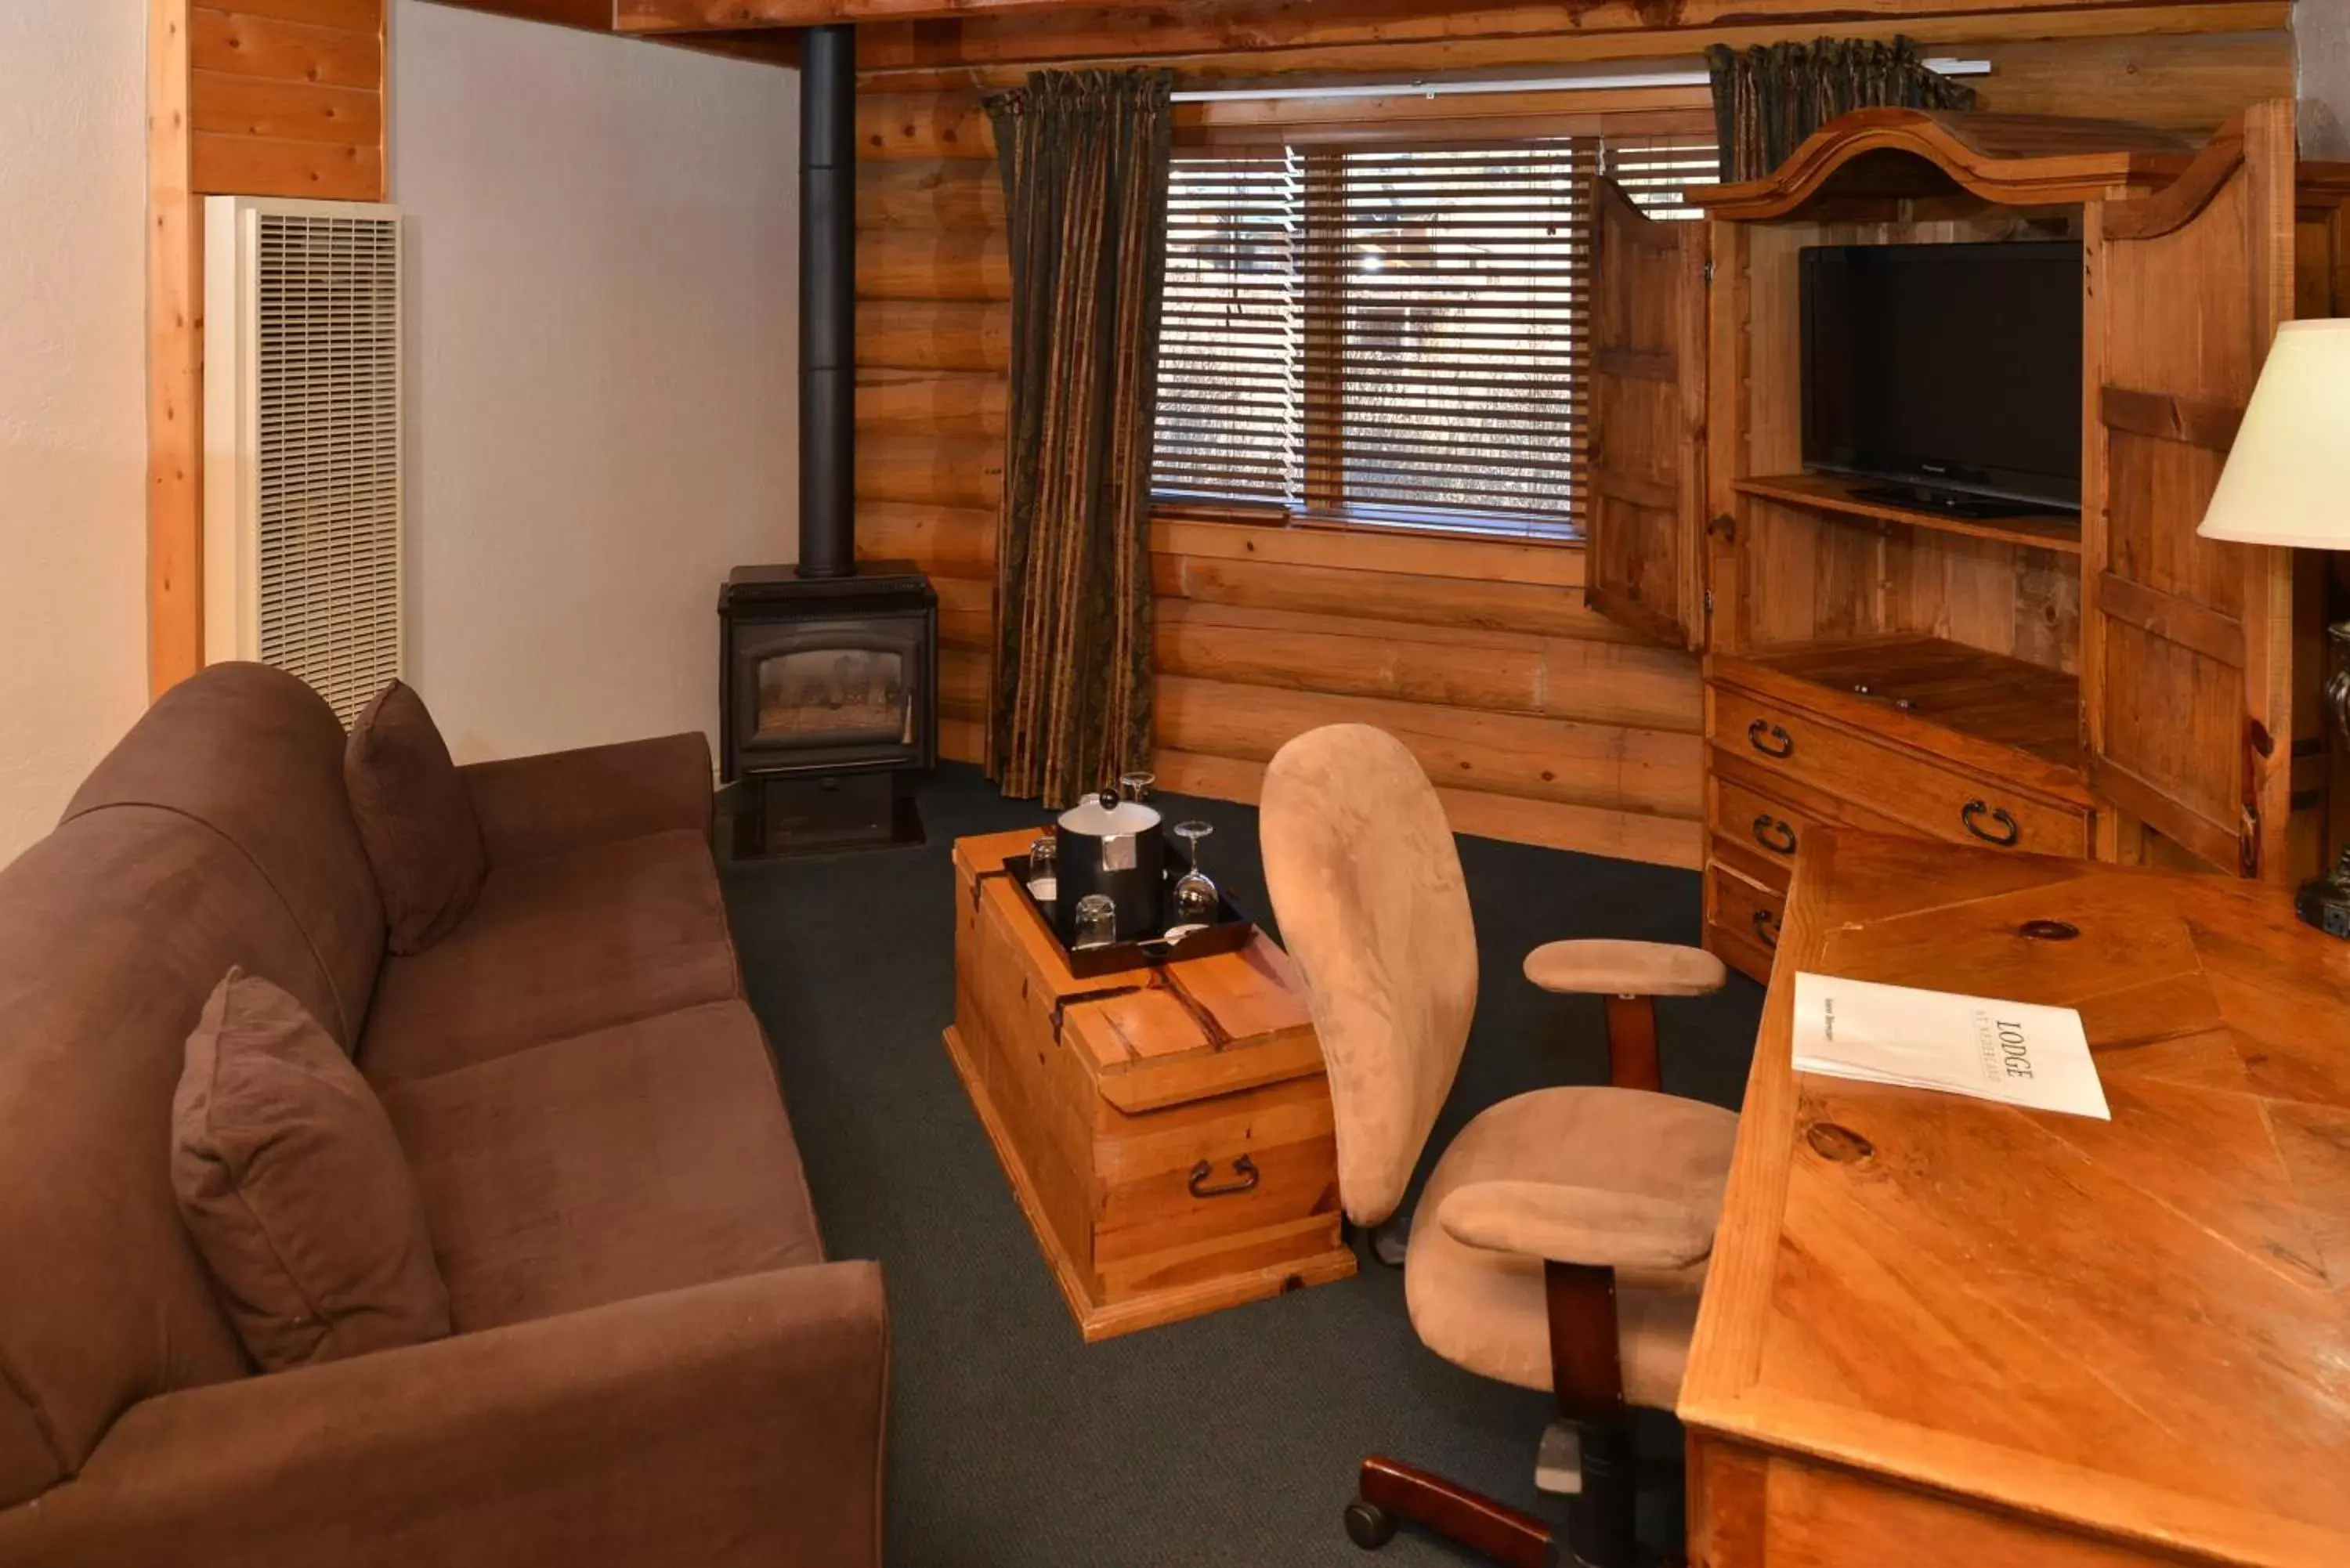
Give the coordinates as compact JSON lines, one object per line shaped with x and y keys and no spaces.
{"x":1387,"y":336}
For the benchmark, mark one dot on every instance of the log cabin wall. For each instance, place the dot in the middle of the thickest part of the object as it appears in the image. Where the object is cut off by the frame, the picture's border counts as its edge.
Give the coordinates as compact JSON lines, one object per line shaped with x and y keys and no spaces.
{"x":1540,"y":721}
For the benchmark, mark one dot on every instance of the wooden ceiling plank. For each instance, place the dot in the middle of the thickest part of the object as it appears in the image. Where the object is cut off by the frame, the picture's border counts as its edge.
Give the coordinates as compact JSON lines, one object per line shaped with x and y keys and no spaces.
{"x":1286,"y":35}
{"x":653,"y":17}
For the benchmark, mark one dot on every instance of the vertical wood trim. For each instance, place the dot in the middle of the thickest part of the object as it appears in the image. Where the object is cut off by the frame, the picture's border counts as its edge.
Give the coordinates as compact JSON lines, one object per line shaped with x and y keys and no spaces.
{"x":2094,"y":533}
{"x":1726,"y":459}
{"x":175,"y":627}
{"x":2270,"y":157}
{"x":1693,"y":308}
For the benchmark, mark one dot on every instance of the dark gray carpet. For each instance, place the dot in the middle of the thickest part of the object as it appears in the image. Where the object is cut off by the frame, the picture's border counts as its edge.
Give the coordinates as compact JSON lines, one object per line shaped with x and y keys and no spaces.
{"x":1228,"y":1439}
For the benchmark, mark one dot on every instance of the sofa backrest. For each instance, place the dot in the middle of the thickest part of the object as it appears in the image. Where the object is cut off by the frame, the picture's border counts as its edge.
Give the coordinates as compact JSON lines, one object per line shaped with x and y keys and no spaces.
{"x":257,"y":756}
{"x":214,"y":835}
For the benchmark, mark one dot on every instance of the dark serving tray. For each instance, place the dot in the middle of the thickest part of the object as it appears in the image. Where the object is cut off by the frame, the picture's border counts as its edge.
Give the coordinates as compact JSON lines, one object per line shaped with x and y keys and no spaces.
{"x":1230,"y":933}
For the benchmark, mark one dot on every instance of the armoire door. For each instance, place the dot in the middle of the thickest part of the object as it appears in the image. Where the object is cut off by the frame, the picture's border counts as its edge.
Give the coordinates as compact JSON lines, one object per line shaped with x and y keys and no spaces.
{"x":2187,"y":643}
{"x":1645,"y":552}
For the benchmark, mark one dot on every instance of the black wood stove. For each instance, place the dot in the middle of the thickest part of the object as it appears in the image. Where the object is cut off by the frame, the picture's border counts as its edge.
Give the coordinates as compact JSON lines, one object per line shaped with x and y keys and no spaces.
{"x":827,"y":671}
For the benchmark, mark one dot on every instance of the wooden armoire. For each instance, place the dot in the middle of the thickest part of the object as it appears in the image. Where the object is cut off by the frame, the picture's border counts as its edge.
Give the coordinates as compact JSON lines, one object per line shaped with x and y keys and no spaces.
{"x":2105,"y":685}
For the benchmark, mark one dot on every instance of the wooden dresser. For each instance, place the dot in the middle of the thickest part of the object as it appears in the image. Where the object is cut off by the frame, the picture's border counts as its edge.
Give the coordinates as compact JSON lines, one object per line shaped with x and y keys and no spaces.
{"x":1946,"y":1333}
{"x":2102,"y":683}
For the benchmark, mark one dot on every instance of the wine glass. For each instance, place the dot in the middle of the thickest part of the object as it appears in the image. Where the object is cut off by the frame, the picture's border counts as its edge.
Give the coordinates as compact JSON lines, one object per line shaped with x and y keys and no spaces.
{"x":1196,"y":898}
{"x":1097,"y":920}
{"x":1137,"y":785}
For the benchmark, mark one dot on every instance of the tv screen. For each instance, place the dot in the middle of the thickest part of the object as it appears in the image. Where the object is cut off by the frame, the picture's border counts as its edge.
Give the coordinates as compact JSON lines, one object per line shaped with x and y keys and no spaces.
{"x":1954,"y":368}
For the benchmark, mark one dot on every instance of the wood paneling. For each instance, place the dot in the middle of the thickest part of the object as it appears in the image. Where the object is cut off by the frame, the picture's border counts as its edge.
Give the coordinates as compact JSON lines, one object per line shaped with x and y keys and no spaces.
{"x":231,"y":40}
{"x":1540,"y":720}
{"x":277,"y":109}
{"x":286,"y":98}
{"x":1218,"y":42}
{"x":265,"y":166}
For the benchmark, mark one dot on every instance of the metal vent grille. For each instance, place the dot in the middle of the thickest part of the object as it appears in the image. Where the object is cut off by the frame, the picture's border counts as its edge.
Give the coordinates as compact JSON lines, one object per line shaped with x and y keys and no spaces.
{"x":302,"y":440}
{"x":323,"y":448}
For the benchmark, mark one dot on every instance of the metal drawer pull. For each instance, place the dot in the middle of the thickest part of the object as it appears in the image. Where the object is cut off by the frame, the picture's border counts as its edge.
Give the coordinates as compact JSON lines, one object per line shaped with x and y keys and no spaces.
{"x":1243,"y":1168}
{"x":1781,"y":744}
{"x":2010,"y":829}
{"x":1766,"y":928}
{"x":1774,"y":835}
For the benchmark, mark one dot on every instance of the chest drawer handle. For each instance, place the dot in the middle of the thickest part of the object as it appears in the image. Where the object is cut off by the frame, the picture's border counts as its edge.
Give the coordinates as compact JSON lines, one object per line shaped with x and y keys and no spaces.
{"x":1774,"y":835}
{"x":1766,"y":929}
{"x":1769,"y":740}
{"x":1975,"y":813}
{"x":1243,"y":1168}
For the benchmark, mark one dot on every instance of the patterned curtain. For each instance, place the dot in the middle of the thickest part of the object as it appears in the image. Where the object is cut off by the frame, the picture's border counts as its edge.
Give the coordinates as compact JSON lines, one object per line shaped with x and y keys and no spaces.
{"x":1766,"y":99}
{"x":1085,"y":157}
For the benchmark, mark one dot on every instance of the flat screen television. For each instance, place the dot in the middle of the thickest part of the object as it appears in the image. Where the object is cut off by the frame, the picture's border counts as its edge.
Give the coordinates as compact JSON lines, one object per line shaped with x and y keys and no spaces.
{"x":1951,"y":371}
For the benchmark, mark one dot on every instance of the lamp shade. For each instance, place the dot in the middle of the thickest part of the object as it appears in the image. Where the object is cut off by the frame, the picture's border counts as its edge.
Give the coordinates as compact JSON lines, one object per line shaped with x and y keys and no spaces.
{"x":2287,"y":481}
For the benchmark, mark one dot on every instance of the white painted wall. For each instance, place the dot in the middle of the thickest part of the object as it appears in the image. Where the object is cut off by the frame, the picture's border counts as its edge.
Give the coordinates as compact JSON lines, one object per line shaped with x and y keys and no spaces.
{"x":2320,"y":41}
{"x":73,"y":344}
{"x":603,"y":361}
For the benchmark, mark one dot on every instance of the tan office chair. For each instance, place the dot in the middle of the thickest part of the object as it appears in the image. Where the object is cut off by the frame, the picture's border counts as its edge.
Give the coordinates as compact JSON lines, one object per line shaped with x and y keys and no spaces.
{"x":1561,"y":1240}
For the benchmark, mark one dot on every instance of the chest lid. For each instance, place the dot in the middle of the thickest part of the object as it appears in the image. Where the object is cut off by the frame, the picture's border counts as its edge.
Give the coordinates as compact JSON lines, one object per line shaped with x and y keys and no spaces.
{"x":1156,"y":1036}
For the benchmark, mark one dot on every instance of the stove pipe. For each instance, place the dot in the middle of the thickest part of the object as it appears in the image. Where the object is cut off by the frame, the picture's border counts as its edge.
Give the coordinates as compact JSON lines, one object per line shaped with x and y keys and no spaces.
{"x":829,"y":302}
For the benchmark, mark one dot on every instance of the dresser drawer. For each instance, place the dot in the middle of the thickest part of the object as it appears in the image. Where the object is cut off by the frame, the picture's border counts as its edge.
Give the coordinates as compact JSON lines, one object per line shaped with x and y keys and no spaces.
{"x":1927,"y":798}
{"x":1758,"y":833}
{"x":1743,"y":920}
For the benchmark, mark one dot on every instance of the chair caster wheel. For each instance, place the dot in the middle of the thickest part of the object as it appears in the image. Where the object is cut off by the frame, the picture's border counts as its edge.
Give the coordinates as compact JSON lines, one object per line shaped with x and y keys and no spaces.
{"x":1368,"y":1525}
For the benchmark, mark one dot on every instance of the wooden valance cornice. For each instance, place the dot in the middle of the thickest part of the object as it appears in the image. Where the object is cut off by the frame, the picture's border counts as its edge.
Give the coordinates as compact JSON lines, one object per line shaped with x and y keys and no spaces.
{"x":2008,"y":160}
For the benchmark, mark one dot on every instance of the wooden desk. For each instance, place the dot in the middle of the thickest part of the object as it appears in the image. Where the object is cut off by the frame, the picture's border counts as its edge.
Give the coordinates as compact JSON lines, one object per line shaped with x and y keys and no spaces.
{"x":1942,"y":1332}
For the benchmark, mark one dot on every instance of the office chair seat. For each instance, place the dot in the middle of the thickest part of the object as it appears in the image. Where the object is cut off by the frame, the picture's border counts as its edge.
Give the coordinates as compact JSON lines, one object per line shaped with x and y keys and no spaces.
{"x":1485,"y":1311}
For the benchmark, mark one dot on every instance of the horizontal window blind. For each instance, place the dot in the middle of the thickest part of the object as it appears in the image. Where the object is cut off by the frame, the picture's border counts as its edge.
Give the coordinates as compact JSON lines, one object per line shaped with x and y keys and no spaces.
{"x":1230,"y":414}
{"x":1387,"y":336}
{"x":1452,"y":291}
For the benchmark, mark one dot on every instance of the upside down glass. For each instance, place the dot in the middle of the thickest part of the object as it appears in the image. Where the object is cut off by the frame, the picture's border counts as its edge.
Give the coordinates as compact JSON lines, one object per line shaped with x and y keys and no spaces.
{"x":1097,"y":921}
{"x":1195,"y":897}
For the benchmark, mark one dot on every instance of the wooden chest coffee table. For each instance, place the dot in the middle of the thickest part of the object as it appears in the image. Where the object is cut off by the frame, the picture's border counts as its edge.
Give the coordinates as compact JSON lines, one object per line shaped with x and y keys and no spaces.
{"x":1166,"y":1131}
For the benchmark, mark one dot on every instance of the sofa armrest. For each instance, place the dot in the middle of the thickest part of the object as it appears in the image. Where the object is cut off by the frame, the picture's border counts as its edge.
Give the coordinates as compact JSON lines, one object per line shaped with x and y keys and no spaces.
{"x":734,"y":1422}
{"x":534,"y":806}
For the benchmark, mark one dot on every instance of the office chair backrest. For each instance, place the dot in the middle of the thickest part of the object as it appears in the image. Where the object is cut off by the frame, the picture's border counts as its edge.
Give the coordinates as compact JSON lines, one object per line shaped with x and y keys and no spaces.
{"x":1366,"y":887}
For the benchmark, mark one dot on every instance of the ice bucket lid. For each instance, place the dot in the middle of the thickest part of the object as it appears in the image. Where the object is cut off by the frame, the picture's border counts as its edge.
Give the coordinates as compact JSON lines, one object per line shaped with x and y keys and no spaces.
{"x":1091,"y":819}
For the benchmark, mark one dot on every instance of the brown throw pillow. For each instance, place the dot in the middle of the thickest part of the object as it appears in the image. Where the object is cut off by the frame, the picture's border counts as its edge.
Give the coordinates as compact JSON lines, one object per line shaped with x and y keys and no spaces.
{"x":415,"y":819}
{"x":295,"y":1188}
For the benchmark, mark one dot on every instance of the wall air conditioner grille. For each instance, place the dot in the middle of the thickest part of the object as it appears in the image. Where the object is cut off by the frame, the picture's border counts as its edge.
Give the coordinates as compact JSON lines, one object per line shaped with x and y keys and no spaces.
{"x":303,"y":442}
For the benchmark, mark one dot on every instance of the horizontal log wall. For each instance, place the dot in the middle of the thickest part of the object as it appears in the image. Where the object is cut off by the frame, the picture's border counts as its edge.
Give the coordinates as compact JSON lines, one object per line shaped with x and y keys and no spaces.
{"x":1539,"y":721}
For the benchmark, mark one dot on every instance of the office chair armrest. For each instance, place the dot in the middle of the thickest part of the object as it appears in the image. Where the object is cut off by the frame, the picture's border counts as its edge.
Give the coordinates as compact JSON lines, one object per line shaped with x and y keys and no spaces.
{"x":1625,"y":969}
{"x":1588,"y":1225}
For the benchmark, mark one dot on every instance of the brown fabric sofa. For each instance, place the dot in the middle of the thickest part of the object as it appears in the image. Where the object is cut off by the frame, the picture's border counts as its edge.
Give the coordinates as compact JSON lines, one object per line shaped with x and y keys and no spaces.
{"x":653,"y":1364}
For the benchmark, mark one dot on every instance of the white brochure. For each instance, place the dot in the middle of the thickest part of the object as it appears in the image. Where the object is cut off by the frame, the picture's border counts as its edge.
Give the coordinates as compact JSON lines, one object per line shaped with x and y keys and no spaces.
{"x":2013,"y":1051}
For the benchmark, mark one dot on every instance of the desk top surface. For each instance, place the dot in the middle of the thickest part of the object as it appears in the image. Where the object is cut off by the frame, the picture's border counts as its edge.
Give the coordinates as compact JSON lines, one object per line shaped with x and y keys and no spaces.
{"x":2141,"y":1326}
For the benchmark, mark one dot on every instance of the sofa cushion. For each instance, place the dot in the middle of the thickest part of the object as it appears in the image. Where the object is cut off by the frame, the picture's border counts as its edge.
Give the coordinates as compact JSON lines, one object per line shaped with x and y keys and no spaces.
{"x":257,"y":757}
{"x":645,"y":1157}
{"x":414,"y":818}
{"x":113,"y":932}
{"x":554,"y":947}
{"x":295,"y":1188}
